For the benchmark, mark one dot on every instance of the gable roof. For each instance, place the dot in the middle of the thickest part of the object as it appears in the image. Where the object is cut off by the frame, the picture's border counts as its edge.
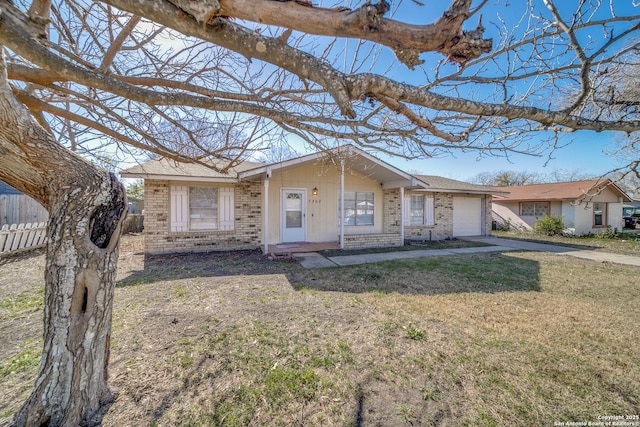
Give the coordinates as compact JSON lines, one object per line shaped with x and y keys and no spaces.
{"x":354,"y":159}
{"x":447,"y":185}
{"x":167,"y":169}
{"x":572,"y":190}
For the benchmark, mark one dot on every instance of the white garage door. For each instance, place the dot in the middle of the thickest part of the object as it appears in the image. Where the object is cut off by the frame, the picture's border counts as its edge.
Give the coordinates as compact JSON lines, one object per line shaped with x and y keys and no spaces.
{"x":467,"y":216}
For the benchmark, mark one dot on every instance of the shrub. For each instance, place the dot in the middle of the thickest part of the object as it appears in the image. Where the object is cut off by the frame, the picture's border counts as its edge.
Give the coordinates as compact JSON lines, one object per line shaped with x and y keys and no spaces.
{"x":549,"y":225}
{"x":609,"y":233}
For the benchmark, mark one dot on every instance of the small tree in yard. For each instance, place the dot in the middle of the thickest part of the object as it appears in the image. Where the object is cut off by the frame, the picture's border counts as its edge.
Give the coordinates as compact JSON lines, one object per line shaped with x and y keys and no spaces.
{"x":195,"y":79}
{"x":549,"y":225}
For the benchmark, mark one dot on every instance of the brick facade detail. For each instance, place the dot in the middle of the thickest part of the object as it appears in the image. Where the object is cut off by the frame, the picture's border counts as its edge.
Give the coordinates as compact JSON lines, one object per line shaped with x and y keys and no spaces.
{"x":357,"y":241}
{"x":488,"y":219}
{"x":443,"y":221}
{"x":158,"y":238}
{"x":392,"y":212}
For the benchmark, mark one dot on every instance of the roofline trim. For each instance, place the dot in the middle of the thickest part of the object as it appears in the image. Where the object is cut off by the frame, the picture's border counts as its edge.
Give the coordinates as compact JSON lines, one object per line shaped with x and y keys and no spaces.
{"x":267,"y":169}
{"x":177,"y":177}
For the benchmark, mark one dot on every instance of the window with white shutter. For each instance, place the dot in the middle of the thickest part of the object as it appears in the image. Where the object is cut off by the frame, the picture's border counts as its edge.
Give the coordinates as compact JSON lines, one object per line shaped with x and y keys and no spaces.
{"x":419,"y":209}
{"x":201,"y":208}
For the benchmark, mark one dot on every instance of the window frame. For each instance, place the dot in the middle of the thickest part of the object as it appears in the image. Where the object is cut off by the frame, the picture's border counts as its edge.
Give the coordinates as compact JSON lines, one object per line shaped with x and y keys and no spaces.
{"x":222,"y":199}
{"x":428,"y":210}
{"x":603,"y":215}
{"x":370,"y":206}
{"x":216,"y":208}
{"x":535,"y":209}
{"x":417,"y":219}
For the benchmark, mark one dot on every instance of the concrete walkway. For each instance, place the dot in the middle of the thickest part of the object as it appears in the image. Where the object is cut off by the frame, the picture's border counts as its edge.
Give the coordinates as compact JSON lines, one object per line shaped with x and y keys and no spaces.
{"x":315,"y":260}
{"x":563,"y":250}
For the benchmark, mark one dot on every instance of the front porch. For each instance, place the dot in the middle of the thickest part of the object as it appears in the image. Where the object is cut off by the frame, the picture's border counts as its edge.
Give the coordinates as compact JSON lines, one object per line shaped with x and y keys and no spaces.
{"x":298,"y":247}
{"x":351,"y":241}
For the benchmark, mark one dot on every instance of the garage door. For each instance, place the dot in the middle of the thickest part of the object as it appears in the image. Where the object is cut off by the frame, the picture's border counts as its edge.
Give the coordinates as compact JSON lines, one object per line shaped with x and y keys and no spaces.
{"x":467,"y":216}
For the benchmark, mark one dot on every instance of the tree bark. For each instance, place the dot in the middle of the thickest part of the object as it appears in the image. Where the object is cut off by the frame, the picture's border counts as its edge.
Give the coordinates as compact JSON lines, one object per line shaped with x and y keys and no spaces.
{"x":86,"y":209}
{"x":82,"y":252}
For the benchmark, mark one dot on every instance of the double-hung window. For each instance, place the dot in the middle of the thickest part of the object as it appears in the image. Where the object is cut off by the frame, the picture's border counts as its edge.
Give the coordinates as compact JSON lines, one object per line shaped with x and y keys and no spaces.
{"x":599,"y":214}
{"x":419,"y":209}
{"x":358,"y":208}
{"x":201,"y":208}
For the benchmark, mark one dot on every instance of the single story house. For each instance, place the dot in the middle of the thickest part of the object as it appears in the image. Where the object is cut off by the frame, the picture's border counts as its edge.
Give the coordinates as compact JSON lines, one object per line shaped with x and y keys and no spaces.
{"x":587,"y":206}
{"x":343,"y":195}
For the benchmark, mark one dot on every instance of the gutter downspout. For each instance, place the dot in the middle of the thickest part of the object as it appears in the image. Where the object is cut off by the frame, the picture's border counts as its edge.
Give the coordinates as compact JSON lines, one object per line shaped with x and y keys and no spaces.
{"x":402,"y":215}
{"x":342,"y":204}
{"x":265,"y":221}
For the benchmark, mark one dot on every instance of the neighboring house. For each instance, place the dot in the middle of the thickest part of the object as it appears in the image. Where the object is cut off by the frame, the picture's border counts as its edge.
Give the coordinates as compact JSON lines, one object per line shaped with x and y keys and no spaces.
{"x":588,"y":206}
{"x":191,"y":207}
{"x":18,"y":208}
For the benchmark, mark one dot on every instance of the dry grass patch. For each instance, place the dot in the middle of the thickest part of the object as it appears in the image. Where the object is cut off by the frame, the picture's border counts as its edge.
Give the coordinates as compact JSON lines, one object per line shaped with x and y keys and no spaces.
{"x":626,"y":243}
{"x":489,"y":339}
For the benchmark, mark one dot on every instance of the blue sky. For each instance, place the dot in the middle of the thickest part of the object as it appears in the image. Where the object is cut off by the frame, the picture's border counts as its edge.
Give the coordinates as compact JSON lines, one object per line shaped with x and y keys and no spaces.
{"x":584,"y":154}
{"x":589,"y":152}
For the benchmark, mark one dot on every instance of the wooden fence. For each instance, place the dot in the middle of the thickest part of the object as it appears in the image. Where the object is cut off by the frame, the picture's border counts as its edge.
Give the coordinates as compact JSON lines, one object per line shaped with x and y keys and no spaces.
{"x":18,"y":209}
{"x":22,"y":236}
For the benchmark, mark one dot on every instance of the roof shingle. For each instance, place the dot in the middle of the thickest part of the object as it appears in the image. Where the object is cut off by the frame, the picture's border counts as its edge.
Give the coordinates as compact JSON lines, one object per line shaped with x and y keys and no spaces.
{"x":573,"y":190}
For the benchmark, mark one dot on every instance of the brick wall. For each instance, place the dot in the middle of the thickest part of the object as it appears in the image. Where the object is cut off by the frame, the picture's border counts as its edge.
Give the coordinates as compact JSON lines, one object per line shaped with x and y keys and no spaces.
{"x":392,"y":212}
{"x":443,"y":221}
{"x":488,"y":217}
{"x":356,"y":241}
{"x":247,"y":232}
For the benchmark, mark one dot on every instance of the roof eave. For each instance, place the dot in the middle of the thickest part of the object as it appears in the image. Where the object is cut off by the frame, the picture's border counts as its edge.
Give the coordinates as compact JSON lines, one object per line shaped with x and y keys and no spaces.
{"x":161,"y":177}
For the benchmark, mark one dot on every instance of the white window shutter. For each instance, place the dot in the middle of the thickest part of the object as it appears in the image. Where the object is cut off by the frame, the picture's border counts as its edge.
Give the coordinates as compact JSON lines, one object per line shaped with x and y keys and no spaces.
{"x":429,"y":208}
{"x":407,"y":209}
{"x":179,"y":208}
{"x":226,"y":204}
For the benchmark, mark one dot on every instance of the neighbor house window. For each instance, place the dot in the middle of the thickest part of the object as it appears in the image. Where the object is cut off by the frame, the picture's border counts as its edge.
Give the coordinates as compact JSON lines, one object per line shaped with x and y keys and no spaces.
{"x":599,"y":214}
{"x":201,"y":208}
{"x":419,"y":209}
{"x":537,"y":209}
{"x":358,"y":208}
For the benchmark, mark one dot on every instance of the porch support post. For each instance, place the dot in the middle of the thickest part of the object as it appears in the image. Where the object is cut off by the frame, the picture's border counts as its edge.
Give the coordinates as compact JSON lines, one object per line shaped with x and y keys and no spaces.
{"x":342,"y":204}
{"x":402,"y":214}
{"x":265,"y":209}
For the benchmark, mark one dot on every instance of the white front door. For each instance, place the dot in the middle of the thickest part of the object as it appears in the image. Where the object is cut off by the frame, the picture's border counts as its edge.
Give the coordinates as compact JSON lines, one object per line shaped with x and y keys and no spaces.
{"x":293,"y":216}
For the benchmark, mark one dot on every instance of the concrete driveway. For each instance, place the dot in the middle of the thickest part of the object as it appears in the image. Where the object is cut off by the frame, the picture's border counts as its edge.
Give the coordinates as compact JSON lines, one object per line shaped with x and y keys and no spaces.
{"x":497,"y":244}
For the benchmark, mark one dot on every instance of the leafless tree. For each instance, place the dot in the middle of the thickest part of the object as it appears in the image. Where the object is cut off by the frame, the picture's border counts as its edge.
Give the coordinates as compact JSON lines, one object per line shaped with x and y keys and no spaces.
{"x":508,"y":178}
{"x":158,"y":76}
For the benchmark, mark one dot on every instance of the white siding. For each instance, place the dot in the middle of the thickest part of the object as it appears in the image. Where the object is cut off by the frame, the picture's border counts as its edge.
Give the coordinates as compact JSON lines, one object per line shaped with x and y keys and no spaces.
{"x":568,"y":214}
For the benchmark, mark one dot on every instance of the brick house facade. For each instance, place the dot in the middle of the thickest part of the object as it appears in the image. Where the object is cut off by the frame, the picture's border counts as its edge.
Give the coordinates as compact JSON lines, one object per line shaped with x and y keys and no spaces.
{"x":193,"y":208}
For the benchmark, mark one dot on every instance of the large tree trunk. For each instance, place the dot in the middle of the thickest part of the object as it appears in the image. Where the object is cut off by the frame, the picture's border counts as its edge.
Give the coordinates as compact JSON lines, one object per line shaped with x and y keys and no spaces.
{"x":82,"y":252}
{"x":87,"y":207}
